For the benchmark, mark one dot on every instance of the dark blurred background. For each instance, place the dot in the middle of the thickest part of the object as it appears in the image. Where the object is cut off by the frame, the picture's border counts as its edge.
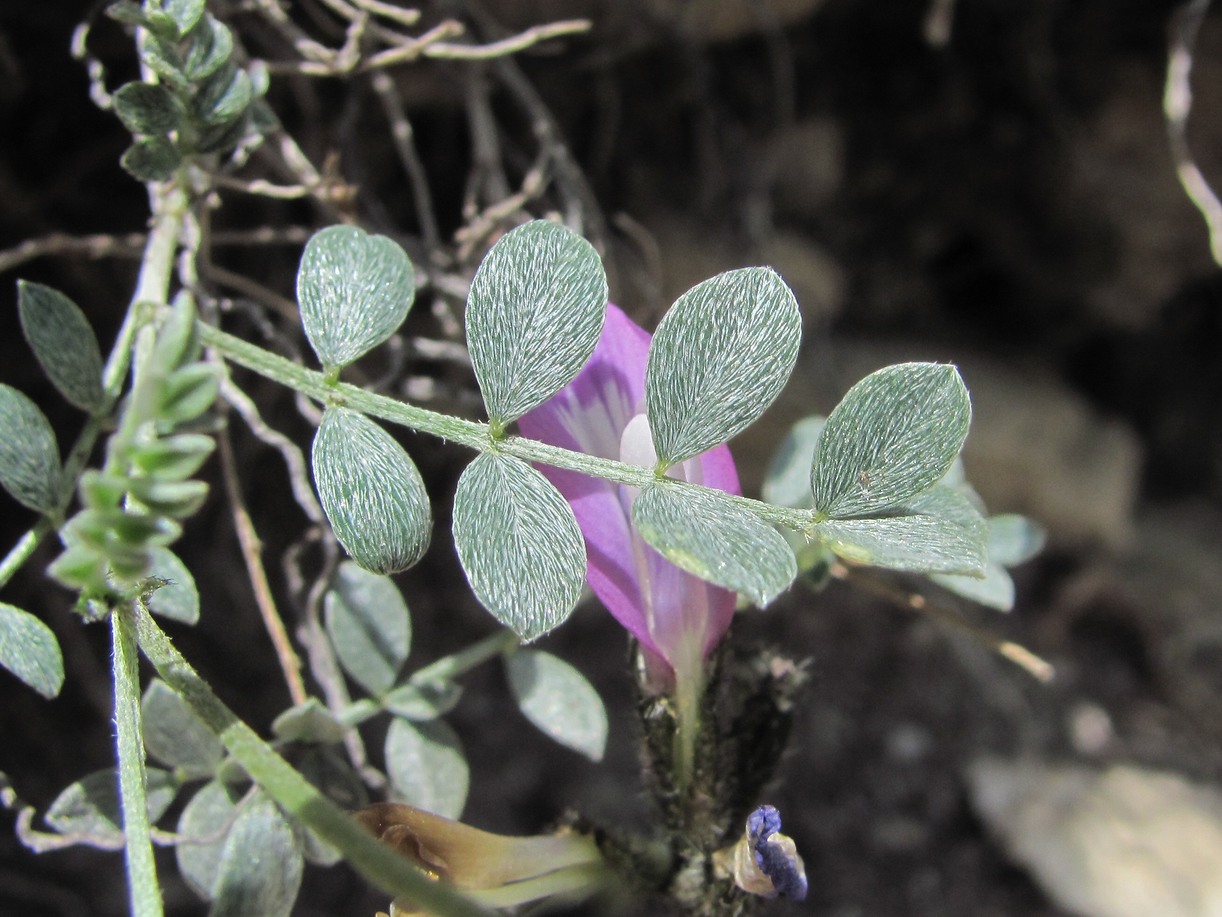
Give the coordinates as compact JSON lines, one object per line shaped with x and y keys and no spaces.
{"x":985,"y":182}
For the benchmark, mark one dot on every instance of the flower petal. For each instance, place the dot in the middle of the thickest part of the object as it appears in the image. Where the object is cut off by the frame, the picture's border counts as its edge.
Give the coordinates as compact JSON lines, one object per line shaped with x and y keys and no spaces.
{"x":662,"y":606}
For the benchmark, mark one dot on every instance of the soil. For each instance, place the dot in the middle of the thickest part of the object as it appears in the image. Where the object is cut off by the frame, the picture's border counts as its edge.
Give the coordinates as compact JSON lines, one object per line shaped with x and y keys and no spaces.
{"x":1005,"y":194}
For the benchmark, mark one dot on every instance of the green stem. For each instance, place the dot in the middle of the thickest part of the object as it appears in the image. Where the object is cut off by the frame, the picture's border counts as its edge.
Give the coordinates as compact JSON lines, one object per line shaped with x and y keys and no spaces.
{"x":448,"y":667}
{"x":468,"y":433}
{"x":143,"y":888}
{"x":153,"y":285}
{"x":377,"y":862}
{"x":444,"y":669}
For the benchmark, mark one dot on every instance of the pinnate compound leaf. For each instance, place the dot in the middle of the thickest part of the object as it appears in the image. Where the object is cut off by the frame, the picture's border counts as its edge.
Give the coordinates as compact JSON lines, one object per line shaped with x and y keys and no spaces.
{"x":90,"y":807}
{"x":534,"y":315}
{"x":29,"y":454}
{"x":63,"y":342}
{"x":894,"y":434}
{"x":147,"y":108}
{"x":371,"y":491}
{"x":712,"y":538}
{"x":354,"y":291}
{"x":720,"y":356}
{"x":261,"y":863}
{"x":369,"y":626}
{"x":519,"y":543}
{"x":940,"y":531}
{"x":203,"y":827}
{"x":559,"y":701}
{"x":787,"y":481}
{"x":427,"y":766}
{"x":29,"y":650}
{"x":175,"y":736}
{"x":151,"y":159}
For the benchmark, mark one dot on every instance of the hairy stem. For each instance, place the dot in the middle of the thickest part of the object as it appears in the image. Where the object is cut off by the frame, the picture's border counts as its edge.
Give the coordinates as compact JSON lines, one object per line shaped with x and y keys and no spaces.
{"x":143,"y":888}
{"x":468,"y":433}
{"x":377,"y":862}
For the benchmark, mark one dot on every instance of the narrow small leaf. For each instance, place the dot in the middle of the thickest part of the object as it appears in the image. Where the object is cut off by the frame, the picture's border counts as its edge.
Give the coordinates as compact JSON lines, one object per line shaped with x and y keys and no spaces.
{"x":354,"y":290}
{"x":787,"y":481}
{"x":261,"y":864}
{"x":63,"y":342}
{"x":519,"y":543}
{"x":894,"y":434}
{"x":147,"y":108}
{"x":720,"y":356}
{"x":203,"y":826}
{"x":534,"y":316}
{"x":185,"y":13}
{"x":712,"y":538}
{"x":209,"y":47}
{"x":371,"y":491}
{"x":29,"y":455}
{"x":369,"y":625}
{"x":151,"y":159}
{"x":29,"y":650}
{"x":172,"y":458}
{"x":90,"y":808}
{"x":939,"y":532}
{"x":226,"y":95}
{"x":188,"y":392}
{"x":175,"y":736}
{"x":427,"y":766}
{"x":559,"y":701}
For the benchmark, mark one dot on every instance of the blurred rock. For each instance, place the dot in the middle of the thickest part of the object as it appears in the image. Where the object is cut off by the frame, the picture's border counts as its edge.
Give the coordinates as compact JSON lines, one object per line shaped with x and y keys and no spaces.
{"x":689,"y":252}
{"x":807,"y":163}
{"x":1122,"y":170}
{"x":1038,"y":448}
{"x":1124,"y":842}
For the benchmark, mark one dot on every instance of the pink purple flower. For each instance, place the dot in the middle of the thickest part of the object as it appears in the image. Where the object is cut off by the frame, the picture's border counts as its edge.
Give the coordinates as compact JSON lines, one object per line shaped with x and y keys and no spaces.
{"x":676,"y":617}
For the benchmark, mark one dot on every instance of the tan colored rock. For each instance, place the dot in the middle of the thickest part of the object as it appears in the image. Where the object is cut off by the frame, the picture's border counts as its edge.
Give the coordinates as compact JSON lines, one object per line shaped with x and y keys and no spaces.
{"x":1124,"y":842}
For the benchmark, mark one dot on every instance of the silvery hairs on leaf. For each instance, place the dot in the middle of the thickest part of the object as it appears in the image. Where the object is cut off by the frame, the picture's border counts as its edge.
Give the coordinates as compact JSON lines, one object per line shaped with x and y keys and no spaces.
{"x":261,"y":863}
{"x":371,"y":491}
{"x":427,"y":766}
{"x":534,"y":315}
{"x":519,"y":544}
{"x":938,"y":531}
{"x":559,"y":701}
{"x":710,"y":537}
{"x":63,"y":343}
{"x":29,"y":650}
{"x":894,"y":434}
{"x":29,"y":454}
{"x":719,"y":358}
{"x":354,"y":291}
